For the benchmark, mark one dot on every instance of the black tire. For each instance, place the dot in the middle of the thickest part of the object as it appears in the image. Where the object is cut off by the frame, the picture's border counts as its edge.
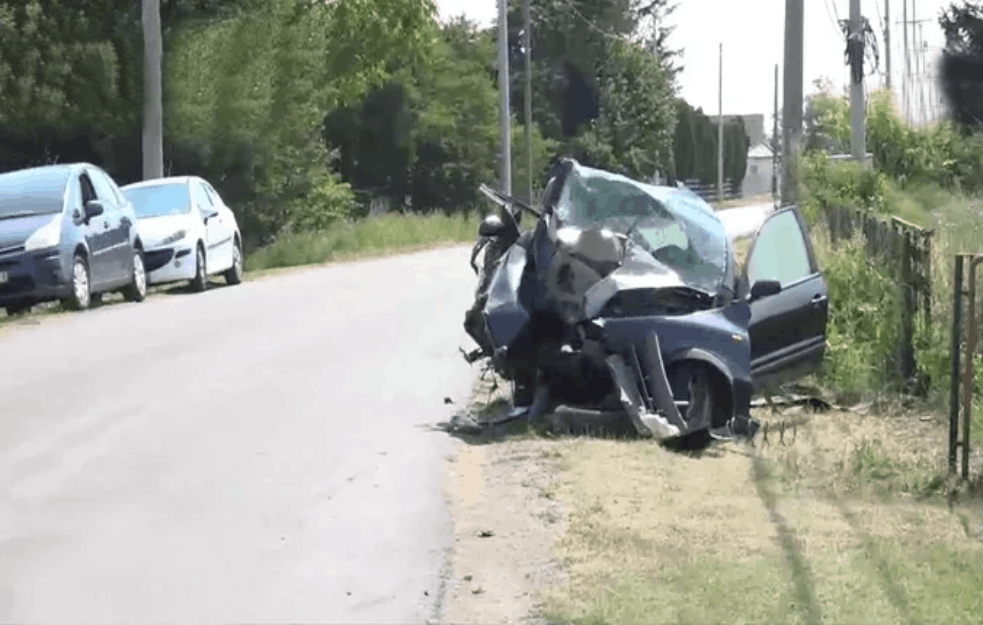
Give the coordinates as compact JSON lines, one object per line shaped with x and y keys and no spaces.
{"x":692,"y":382}
{"x":16,"y":309}
{"x":95,"y":300}
{"x":200,"y":282}
{"x":136,"y":291}
{"x":233,"y":275}
{"x":81,"y":295}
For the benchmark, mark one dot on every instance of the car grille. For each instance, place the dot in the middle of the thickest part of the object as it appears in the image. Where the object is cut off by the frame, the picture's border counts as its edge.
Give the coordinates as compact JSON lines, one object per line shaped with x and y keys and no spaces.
{"x":157,"y":259}
{"x":17,"y":285}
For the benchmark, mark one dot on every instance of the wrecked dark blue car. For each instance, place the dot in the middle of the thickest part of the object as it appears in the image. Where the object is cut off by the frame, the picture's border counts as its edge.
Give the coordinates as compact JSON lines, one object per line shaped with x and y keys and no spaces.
{"x":625,"y":297}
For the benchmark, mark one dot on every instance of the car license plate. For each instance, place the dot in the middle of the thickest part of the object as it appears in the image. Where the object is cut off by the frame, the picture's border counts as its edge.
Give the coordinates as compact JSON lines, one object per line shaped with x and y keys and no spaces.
{"x":4,"y":276}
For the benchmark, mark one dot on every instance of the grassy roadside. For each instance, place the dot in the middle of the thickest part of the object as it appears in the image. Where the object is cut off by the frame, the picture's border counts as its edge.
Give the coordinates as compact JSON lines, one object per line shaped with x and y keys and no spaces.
{"x":839,"y":516}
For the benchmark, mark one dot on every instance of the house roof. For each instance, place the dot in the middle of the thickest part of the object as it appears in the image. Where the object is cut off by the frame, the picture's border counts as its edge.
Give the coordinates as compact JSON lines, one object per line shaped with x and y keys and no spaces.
{"x":760,"y":151}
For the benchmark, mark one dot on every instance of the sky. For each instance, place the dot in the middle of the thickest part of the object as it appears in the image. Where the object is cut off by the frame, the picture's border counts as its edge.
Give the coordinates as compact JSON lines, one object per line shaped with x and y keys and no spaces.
{"x":752,"y":34}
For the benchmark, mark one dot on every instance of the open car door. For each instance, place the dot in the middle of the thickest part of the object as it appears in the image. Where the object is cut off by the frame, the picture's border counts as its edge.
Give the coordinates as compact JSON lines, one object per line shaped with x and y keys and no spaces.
{"x":787,"y":327}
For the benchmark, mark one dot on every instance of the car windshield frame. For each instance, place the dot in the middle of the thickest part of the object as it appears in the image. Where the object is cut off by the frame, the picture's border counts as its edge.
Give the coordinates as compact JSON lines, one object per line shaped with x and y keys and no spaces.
{"x":645,"y":214}
{"x":145,"y":197}
{"x":33,"y":192}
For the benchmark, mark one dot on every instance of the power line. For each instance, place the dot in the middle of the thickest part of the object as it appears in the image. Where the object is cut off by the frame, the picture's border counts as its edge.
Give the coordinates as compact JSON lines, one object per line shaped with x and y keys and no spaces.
{"x":832,"y":21}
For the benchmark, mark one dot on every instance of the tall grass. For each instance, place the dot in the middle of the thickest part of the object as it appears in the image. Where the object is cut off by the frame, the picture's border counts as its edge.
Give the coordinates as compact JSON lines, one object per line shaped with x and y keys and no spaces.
{"x":864,"y":325}
{"x":348,"y":239}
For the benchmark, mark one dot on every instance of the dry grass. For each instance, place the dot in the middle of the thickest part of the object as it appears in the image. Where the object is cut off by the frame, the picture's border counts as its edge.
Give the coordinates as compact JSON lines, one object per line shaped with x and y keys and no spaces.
{"x":818,"y":529}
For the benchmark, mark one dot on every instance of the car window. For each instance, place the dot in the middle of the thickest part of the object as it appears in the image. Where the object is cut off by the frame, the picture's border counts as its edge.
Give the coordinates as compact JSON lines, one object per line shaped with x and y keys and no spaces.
{"x":780,"y":252}
{"x":87,"y":188}
{"x":204,"y":203}
{"x":104,"y":190}
{"x":212,"y":194}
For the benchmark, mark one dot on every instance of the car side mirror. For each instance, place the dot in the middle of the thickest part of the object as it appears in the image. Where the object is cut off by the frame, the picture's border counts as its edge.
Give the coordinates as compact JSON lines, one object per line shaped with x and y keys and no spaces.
{"x":492,"y":226}
{"x":210,"y":216}
{"x":93,"y":208}
{"x":765,"y":288}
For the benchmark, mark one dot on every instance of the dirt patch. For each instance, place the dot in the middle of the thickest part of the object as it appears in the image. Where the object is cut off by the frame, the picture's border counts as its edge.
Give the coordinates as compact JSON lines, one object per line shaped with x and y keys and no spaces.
{"x":501,"y":492}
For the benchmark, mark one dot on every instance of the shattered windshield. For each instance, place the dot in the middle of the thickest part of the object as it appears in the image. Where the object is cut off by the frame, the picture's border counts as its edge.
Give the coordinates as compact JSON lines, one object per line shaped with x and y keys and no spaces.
{"x":675,"y":229}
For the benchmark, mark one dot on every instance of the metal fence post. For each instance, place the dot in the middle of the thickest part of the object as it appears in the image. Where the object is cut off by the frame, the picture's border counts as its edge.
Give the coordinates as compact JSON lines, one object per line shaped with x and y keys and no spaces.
{"x":957,"y":281}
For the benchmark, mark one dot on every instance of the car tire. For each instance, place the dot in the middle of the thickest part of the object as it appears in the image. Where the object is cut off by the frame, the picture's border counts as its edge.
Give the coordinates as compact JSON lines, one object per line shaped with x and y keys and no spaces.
{"x":95,"y":299}
{"x":81,"y":293}
{"x":233,"y":275}
{"x":16,"y":309}
{"x":692,"y":382}
{"x":136,"y":291}
{"x":200,"y":282}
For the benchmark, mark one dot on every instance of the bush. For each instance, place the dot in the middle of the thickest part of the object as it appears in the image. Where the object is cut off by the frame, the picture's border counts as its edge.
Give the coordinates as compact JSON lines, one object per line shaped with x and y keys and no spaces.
{"x":863,"y":331}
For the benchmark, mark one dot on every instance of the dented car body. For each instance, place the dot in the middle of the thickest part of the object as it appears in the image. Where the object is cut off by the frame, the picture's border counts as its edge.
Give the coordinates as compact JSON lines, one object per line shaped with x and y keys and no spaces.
{"x":626,"y":297}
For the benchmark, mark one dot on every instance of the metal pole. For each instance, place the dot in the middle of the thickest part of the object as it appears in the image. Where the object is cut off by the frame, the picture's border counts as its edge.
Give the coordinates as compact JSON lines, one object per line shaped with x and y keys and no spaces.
{"x":792,"y":114}
{"x":503,"y":88}
{"x":957,"y":282}
{"x":153,"y":115}
{"x":970,"y":351}
{"x":774,"y":142}
{"x":720,"y":127}
{"x":857,"y":139}
{"x":887,"y":41}
{"x":906,"y":72}
{"x":527,"y":44}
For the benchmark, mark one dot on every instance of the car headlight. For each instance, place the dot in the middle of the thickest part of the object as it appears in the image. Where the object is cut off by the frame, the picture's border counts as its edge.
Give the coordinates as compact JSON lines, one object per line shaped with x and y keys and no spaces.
{"x":174,"y":238}
{"x":45,"y":237}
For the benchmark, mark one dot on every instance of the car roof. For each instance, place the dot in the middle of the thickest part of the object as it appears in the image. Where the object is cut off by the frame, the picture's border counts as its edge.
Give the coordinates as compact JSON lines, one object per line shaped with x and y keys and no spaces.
{"x":159,"y":182}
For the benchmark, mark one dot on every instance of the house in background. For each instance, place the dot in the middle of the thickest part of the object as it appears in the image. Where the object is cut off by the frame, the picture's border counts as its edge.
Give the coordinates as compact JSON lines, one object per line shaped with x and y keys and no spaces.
{"x":760,"y":165}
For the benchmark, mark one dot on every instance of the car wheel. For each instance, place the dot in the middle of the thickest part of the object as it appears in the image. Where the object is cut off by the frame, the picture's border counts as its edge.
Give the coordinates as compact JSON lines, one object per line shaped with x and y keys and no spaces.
{"x":81,"y":295}
{"x":200,"y":281}
{"x":137,"y":290}
{"x":16,"y":309}
{"x":233,"y":274}
{"x":691,"y":382}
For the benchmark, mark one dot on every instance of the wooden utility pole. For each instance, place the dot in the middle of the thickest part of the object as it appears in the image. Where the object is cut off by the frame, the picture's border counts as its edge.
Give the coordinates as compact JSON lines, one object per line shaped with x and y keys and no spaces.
{"x":153,"y":114}
{"x":857,"y":139}
{"x":720,"y":127}
{"x":774,"y":142}
{"x":792,"y":114}
{"x":503,"y":93}
{"x":527,"y":44}
{"x":887,"y":41}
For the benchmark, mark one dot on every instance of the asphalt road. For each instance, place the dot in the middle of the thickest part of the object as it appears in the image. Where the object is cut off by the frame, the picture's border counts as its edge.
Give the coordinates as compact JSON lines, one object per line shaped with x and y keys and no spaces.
{"x":744,"y":221}
{"x":250,"y":454}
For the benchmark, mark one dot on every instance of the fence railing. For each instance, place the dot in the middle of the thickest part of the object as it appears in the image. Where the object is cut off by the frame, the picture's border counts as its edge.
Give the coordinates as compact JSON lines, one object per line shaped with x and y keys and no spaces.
{"x":907,"y":248}
{"x":708,"y":192}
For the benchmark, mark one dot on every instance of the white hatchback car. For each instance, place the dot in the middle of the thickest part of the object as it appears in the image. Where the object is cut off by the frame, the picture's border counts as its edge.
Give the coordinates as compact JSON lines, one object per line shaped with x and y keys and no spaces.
{"x":188,"y":231}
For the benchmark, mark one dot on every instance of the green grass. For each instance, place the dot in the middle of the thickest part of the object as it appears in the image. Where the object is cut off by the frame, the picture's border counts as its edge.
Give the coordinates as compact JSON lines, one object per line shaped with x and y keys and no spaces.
{"x":371,"y":236}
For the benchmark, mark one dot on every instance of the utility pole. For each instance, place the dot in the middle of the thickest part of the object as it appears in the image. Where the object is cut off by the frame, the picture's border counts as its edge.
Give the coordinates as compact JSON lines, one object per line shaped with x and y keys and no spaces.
{"x":153,"y":114}
{"x":774,"y":142}
{"x":905,"y":73}
{"x":857,"y":139}
{"x":792,"y":114}
{"x":887,"y":41}
{"x":503,"y":88}
{"x":527,"y":44}
{"x":720,"y":127}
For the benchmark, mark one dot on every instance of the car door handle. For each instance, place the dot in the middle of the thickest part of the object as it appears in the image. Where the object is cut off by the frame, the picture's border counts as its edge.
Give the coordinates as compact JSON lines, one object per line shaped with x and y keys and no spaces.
{"x":818,"y":299}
